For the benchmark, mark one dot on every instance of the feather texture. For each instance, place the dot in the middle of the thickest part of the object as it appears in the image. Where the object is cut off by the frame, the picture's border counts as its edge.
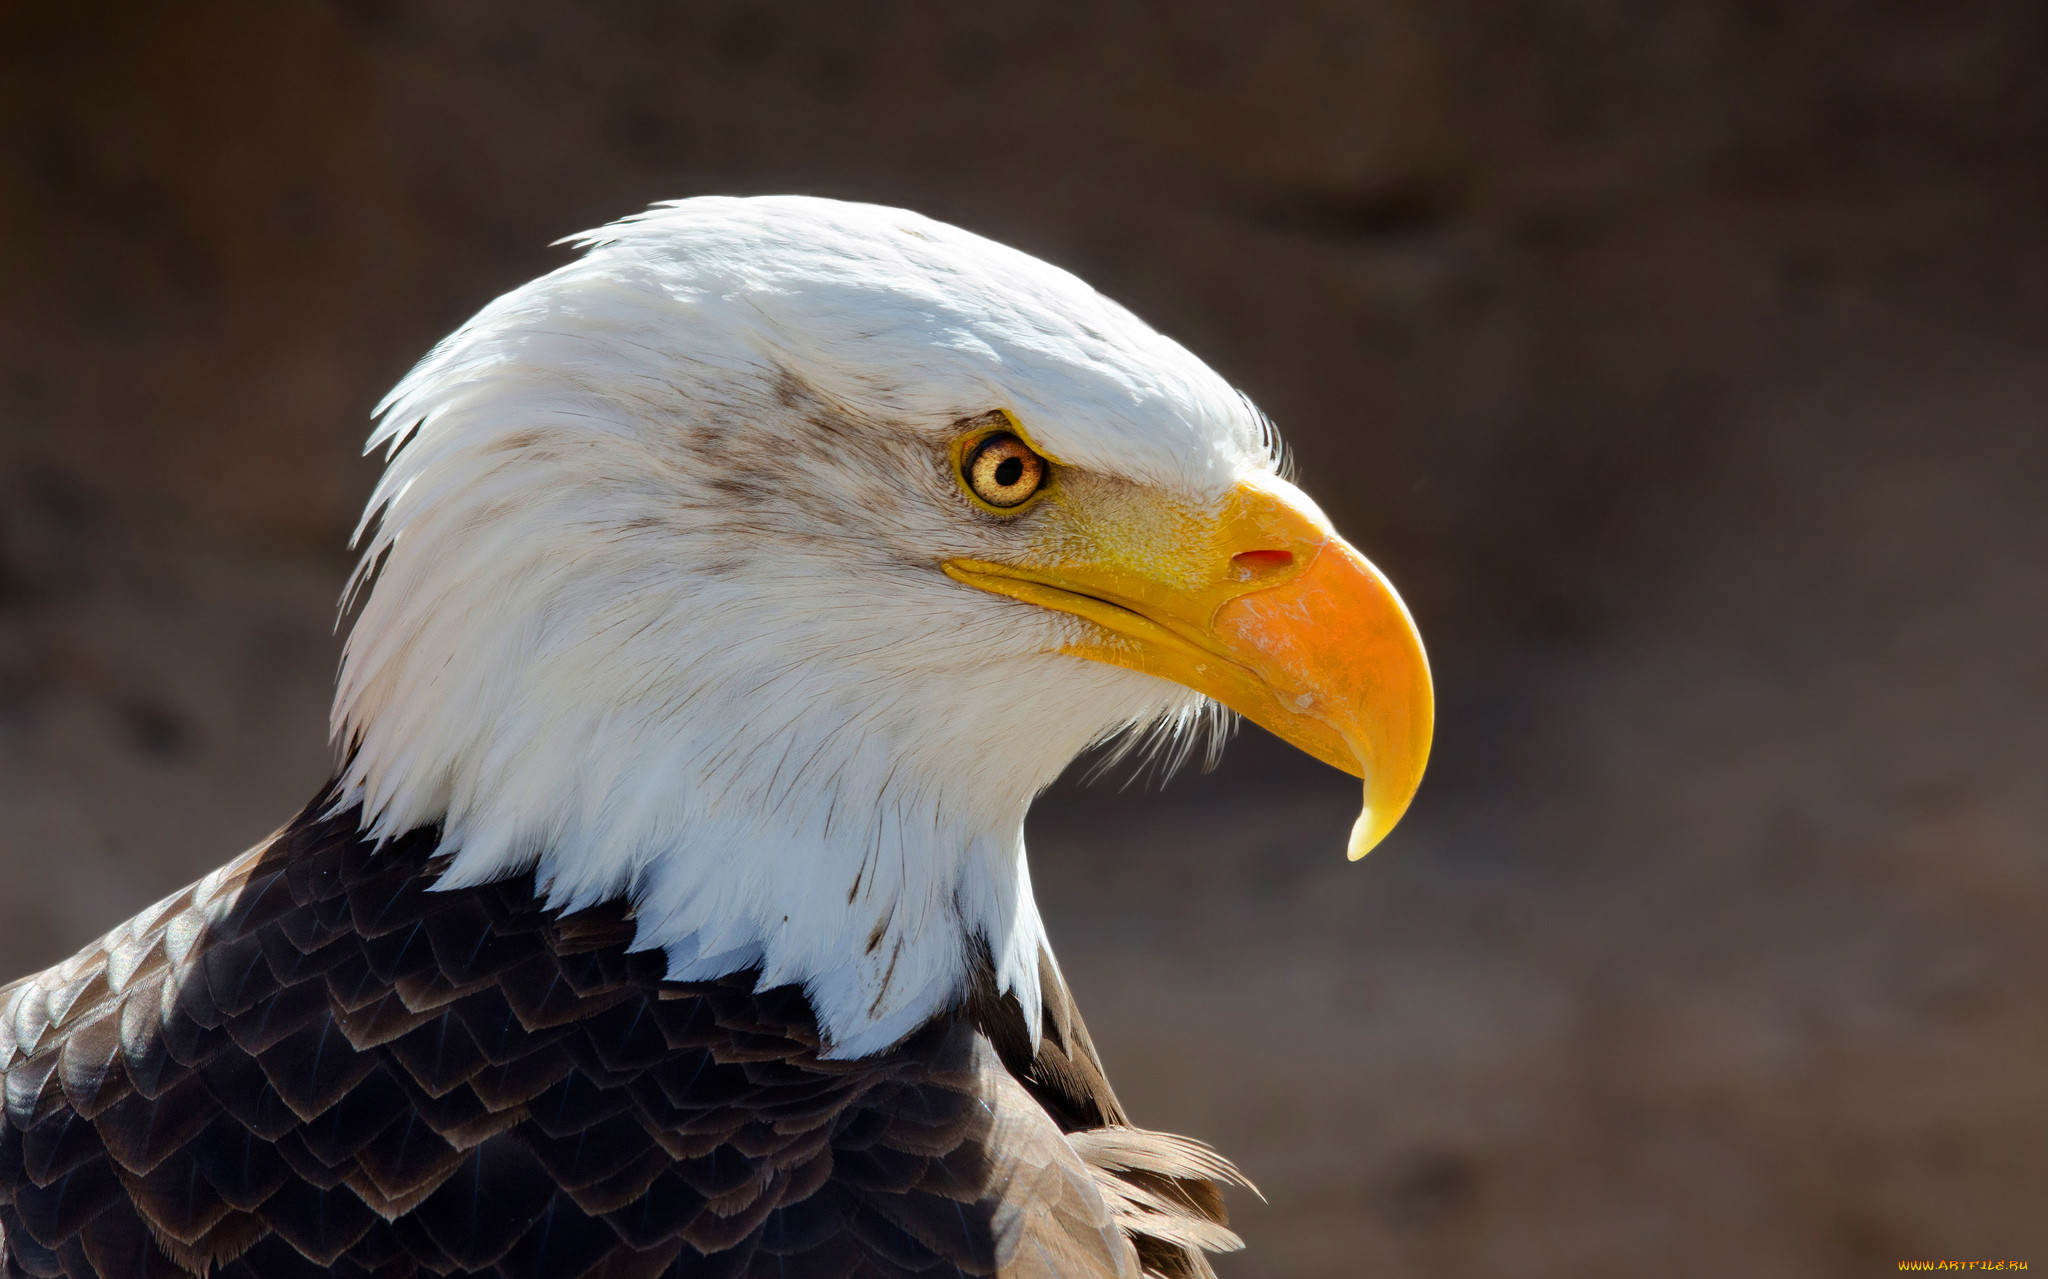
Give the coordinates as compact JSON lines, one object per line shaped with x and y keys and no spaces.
{"x":651,"y":600}
{"x":314,"y":1062}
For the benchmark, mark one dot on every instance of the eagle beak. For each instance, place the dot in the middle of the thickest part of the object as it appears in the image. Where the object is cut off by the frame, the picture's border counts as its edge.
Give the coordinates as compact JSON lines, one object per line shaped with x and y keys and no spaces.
{"x":1260,"y":605}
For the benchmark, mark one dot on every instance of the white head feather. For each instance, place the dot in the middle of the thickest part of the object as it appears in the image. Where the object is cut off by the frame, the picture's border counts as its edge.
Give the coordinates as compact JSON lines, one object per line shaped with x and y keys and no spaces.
{"x":654,"y":603}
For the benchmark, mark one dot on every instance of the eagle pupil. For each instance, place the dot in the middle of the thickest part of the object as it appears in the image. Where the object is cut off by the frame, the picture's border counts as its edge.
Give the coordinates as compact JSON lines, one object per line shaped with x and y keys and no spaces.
{"x":1009,"y":471}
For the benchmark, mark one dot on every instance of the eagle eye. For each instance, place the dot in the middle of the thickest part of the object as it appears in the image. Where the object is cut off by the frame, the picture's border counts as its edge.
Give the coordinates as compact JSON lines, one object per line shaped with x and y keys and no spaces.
{"x":1003,"y":471}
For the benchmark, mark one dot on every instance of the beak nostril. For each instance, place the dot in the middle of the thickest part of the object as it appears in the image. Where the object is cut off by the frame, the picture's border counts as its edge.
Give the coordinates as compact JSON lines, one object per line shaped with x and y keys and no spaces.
{"x":1249,"y":562}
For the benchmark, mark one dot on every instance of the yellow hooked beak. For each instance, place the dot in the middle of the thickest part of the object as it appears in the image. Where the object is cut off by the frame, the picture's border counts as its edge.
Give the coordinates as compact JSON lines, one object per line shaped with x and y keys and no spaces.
{"x":1261,"y":606}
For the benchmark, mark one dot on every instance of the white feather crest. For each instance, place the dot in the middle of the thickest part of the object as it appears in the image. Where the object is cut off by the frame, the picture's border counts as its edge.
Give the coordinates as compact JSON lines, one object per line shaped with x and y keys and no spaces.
{"x":649,"y":597}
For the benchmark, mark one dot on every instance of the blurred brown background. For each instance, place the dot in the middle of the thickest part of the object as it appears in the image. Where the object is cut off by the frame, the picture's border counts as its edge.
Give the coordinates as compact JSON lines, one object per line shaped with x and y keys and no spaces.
{"x":1684,"y":363}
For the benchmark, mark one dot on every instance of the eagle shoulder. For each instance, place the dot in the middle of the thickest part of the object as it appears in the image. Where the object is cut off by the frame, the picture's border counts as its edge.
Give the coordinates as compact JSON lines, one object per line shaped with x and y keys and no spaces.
{"x":311,"y":1063}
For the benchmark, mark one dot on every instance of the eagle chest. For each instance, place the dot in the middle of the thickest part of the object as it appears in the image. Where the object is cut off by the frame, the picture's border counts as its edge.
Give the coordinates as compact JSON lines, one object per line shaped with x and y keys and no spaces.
{"x":309,"y":1063}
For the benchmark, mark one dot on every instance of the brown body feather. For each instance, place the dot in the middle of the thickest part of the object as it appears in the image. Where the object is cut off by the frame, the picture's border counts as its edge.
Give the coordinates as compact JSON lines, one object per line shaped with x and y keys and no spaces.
{"x":309,"y":1063}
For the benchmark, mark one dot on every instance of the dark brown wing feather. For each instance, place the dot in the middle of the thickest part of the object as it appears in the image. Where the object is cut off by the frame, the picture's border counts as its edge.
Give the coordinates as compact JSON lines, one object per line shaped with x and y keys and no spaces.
{"x":309,"y":1064}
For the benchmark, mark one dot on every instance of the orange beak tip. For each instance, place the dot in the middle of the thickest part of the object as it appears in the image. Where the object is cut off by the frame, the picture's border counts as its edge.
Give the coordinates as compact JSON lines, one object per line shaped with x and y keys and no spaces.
{"x":1366,"y":833}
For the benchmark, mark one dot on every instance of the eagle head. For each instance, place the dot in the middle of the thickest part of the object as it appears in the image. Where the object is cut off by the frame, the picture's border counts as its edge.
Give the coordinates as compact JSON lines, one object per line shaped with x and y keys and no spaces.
{"x":762,"y":564}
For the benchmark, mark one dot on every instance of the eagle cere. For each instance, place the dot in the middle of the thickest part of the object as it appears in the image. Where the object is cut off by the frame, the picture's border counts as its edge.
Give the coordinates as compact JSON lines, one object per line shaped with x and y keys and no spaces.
{"x":728,"y":595}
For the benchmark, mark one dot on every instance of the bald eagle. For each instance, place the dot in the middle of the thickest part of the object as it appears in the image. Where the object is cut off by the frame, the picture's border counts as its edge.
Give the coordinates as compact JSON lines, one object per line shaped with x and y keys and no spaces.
{"x":728,"y":595}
